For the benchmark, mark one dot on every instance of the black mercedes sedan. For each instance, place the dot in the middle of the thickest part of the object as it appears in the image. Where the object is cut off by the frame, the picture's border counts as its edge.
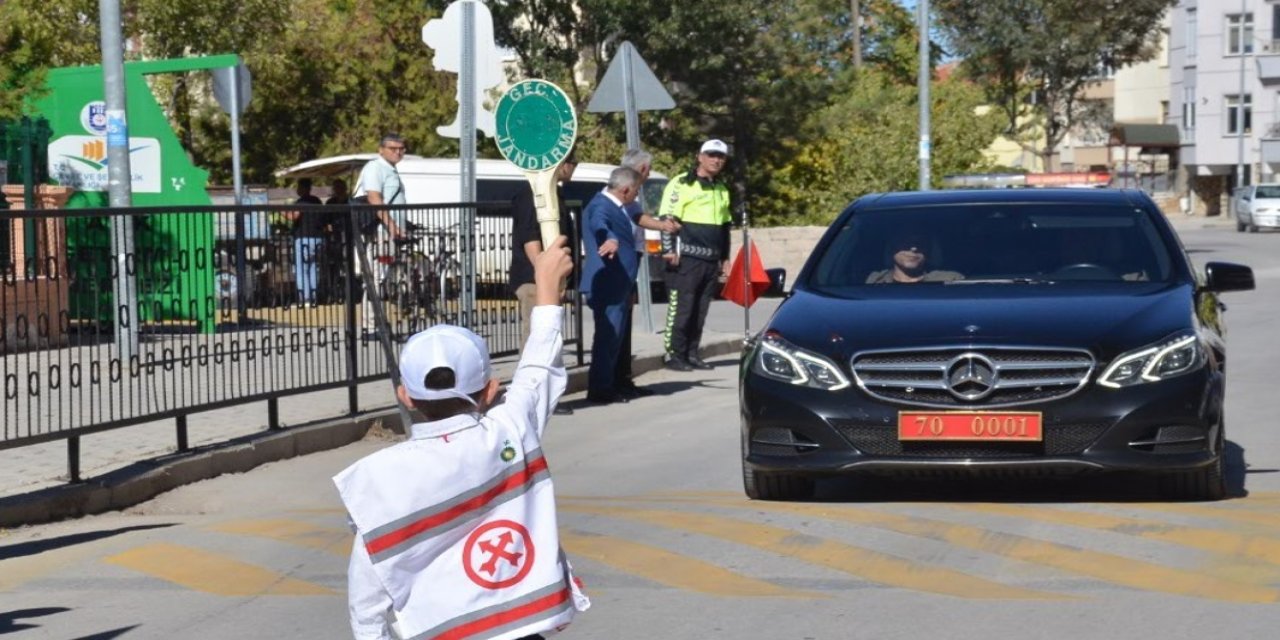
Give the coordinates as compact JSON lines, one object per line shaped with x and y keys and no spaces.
{"x":1009,"y":331}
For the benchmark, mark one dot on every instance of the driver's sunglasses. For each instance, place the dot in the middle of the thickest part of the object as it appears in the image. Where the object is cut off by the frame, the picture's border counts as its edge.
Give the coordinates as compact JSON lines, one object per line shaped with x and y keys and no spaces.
{"x":395,"y":149}
{"x":716,"y":154}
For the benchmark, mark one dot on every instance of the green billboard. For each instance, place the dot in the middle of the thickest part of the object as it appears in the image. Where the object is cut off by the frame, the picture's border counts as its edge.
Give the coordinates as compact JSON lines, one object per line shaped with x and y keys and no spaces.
{"x":174,"y":261}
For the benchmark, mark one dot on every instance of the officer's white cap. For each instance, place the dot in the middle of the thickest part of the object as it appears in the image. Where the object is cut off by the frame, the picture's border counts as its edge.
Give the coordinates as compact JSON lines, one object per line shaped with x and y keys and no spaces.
{"x":443,"y":345}
{"x":714,"y":145}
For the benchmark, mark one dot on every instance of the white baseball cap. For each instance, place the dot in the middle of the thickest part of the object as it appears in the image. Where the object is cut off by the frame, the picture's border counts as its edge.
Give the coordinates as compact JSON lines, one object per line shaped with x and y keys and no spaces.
{"x":447,"y":346}
{"x":714,"y":145}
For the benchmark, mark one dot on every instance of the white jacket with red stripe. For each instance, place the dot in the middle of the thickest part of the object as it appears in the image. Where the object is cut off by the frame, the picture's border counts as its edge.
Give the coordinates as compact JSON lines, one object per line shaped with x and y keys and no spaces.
{"x":456,"y":528}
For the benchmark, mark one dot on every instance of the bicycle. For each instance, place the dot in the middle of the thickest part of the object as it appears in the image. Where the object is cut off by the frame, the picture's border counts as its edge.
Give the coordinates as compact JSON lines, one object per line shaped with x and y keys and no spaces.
{"x":421,"y":286}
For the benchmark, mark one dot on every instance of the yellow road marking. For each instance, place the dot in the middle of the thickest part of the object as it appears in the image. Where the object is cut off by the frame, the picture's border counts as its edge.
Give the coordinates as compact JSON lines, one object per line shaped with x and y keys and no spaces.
{"x":211,"y":573}
{"x":322,"y":511}
{"x":1104,"y":566}
{"x":870,"y":565}
{"x":1216,"y":542}
{"x":1218,"y":513}
{"x":672,"y":569}
{"x":330,"y":539}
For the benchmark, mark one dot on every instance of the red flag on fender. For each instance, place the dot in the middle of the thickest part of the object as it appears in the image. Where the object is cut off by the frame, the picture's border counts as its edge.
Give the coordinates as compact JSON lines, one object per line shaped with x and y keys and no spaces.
{"x":736,"y":288}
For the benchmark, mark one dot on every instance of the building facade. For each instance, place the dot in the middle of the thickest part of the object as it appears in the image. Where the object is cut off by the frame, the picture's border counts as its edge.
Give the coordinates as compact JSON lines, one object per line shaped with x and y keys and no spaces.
{"x":1224,"y":89}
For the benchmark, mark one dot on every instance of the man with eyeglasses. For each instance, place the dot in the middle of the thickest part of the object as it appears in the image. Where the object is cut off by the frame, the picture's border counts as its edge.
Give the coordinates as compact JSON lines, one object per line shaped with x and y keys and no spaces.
{"x":380,"y":184}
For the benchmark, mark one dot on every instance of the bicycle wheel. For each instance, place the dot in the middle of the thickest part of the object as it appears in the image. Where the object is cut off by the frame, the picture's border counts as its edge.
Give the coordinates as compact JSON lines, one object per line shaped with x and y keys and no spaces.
{"x":447,"y":284}
{"x":394,"y":285}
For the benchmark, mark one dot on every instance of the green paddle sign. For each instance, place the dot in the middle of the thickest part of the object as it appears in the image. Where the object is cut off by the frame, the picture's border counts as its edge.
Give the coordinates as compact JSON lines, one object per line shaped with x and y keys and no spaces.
{"x":536,"y":129}
{"x":536,"y":125}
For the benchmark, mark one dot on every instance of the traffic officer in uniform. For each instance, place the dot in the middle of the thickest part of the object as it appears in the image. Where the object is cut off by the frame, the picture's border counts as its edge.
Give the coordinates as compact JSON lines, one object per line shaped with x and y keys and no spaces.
{"x":699,"y":200}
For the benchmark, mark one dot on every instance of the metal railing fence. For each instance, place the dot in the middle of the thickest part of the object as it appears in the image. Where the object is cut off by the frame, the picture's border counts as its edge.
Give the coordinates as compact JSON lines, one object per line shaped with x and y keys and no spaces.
{"x":234,"y":305}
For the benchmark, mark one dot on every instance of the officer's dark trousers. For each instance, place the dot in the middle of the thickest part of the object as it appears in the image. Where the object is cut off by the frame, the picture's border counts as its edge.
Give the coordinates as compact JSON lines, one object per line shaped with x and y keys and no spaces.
{"x":693,"y":285}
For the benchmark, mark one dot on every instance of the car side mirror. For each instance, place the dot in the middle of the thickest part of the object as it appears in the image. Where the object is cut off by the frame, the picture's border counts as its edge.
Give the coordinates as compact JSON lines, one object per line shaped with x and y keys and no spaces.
{"x":1227,"y":276}
{"x":777,"y":282}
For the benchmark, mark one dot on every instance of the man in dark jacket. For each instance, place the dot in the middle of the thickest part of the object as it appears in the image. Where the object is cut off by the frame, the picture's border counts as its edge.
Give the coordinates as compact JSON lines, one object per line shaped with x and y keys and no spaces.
{"x":608,"y":277}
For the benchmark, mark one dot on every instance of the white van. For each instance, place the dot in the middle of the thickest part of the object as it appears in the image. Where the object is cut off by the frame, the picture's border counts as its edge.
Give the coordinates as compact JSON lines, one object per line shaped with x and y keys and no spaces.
{"x":438,"y":181}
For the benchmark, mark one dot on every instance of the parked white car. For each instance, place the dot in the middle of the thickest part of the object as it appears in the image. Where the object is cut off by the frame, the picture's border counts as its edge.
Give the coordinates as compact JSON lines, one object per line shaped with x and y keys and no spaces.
{"x":1257,"y":206}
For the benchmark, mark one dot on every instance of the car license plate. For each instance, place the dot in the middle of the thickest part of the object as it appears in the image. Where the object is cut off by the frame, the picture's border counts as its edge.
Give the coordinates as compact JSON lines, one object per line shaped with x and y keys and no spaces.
{"x":1003,"y":426}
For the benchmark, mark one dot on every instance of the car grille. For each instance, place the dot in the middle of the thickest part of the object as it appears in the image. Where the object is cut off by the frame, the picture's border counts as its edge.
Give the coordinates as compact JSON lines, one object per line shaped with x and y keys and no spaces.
{"x":882,"y":440}
{"x":934,"y":377}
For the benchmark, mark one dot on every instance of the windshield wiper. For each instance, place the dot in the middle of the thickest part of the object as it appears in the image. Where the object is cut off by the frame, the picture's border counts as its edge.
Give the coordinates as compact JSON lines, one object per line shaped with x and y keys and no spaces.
{"x":1003,"y":281}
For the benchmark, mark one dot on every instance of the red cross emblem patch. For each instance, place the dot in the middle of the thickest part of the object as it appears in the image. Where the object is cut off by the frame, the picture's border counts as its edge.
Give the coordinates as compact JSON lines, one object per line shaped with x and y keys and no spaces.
{"x":498,"y":554}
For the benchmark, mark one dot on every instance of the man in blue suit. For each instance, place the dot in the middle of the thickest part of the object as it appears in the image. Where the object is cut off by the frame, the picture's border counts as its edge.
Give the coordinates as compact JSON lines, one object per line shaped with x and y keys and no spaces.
{"x":608,"y":277}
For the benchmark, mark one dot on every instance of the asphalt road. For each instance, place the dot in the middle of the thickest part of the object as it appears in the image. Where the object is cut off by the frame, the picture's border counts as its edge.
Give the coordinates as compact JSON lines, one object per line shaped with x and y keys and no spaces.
{"x":653,"y":517}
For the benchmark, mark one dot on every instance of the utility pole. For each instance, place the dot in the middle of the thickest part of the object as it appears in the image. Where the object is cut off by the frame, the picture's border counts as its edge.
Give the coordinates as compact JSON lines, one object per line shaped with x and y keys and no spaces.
{"x":1244,"y":44}
{"x":855,"y":19}
{"x":923,"y":9}
{"x":119,"y":178}
{"x":467,"y":158}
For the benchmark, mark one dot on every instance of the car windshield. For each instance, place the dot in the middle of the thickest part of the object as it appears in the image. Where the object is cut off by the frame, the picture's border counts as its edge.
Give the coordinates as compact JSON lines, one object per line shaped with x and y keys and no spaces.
{"x":994,"y":244}
{"x":1269,"y":191}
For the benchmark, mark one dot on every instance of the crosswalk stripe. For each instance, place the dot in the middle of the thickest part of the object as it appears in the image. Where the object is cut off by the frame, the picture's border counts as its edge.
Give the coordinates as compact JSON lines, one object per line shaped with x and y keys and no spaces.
{"x":1214,"y":541}
{"x":671,"y":569}
{"x":211,"y":573}
{"x":1104,"y":566}
{"x":1271,"y":520}
{"x":330,"y":539}
{"x":870,"y":565}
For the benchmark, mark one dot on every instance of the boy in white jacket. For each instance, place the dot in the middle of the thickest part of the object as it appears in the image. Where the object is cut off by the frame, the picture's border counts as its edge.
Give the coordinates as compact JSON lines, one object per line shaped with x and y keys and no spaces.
{"x":456,"y":533}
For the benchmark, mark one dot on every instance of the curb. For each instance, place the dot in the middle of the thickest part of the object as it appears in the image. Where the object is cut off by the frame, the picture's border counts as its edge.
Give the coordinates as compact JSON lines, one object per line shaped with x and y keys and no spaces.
{"x":146,"y":479}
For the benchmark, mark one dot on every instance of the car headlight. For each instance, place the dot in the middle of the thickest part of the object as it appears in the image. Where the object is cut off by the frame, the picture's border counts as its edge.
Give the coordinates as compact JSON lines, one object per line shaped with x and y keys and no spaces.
{"x":1151,"y":364}
{"x":780,"y":360}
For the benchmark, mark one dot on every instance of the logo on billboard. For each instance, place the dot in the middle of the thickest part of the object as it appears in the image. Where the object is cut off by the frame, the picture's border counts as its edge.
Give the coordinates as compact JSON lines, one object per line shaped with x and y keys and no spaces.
{"x":80,"y":162}
{"x":93,"y":117}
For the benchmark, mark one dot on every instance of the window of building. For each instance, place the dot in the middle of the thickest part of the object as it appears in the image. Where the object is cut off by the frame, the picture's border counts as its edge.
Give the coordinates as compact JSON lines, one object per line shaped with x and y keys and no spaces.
{"x":1239,"y":33}
{"x":1275,"y":27}
{"x":1239,"y":114}
{"x":1164,"y":112}
{"x":1189,"y":109}
{"x":1191,"y":35}
{"x":1103,"y":71}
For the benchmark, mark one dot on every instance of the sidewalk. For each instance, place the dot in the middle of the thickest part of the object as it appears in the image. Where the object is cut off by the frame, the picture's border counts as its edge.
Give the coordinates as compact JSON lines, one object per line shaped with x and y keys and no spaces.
{"x":1181,"y":221}
{"x":126,"y":466}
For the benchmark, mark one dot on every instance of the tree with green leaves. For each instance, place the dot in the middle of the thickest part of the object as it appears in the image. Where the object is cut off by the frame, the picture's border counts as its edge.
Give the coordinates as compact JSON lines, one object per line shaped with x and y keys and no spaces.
{"x":745,"y":71}
{"x":37,"y":35}
{"x":865,"y":142}
{"x":1035,"y":58}
{"x":329,"y":77}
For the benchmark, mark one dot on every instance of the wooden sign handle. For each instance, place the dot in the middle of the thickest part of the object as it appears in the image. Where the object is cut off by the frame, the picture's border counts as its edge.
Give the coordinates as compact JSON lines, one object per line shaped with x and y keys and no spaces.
{"x":547,"y":203}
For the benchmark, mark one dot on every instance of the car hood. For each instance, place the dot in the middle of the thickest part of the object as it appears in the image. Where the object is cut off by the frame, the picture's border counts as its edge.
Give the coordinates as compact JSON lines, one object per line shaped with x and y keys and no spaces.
{"x":1106,"y":319}
{"x":1266,"y":203}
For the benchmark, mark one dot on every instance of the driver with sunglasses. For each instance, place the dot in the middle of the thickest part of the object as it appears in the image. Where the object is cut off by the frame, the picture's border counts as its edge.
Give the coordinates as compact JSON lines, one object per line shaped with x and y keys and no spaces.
{"x":910,"y":263}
